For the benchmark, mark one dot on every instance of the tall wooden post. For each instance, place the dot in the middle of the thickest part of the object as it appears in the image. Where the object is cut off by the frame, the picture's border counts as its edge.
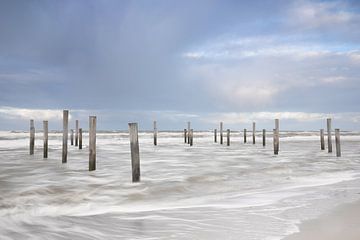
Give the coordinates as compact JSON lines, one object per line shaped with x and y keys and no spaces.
{"x":221,"y":132}
{"x":277,"y":128}
{"x":191,"y":137}
{"x":155,"y":133}
{"x":188,"y":130}
{"x":328,"y":121}
{"x":65,"y":135}
{"x":80,"y":138}
{"x":72,"y":137}
{"x":46,"y":133}
{"x":215,"y":135}
{"x":185,"y":135}
{"x":32,"y":137}
{"x":228,"y":137}
{"x":135,"y":155}
{"x":76,"y":132}
{"x":253,"y":132}
{"x":337,"y":142}
{"x":92,"y":143}
{"x":244,"y":135}
{"x":322,"y":141}
{"x":264,"y":137}
{"x":276,"y":142}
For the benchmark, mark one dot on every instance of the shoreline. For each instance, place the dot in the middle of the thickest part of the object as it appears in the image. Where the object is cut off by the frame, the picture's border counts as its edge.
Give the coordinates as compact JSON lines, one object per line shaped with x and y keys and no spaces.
{"x":342,"y":222}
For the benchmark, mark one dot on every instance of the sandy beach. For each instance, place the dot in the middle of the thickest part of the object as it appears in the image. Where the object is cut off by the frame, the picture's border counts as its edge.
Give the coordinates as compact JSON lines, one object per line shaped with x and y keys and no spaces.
{"x":341,"y":223}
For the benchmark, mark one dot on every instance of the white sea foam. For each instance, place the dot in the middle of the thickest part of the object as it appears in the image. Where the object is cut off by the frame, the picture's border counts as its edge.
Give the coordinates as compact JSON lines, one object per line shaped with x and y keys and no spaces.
{"x":207,"y":191}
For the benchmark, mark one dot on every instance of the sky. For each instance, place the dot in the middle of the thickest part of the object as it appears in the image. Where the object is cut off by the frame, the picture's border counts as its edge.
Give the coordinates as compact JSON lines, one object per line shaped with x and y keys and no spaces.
{"x":177,"y":61}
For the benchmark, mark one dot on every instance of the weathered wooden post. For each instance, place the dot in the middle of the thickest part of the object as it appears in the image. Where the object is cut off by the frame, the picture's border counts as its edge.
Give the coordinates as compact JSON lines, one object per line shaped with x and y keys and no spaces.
{"x":337,"y":142}
{"x":215,"y":135}
{"x":328,"y":121}
{"x":221,"y":132}
{"x":264,"y":137}
{"x":191,"y":137}
{"x":76,"y":133}
{"x":253,"y":132}
{"x":135,"y":155}
{"x":65,"y":135}
{"x":92,"y":143}
{"x":188,"y":130}
{"x":228,"y":137}
{"x":46,"y":133}
{"x":322,"y":141}
{"x":80,"y":138}
{"x":155,"y":133}
{"x":244,"y":135}
{"x":32,"y":137}
{"x":277,"y":128}
{"x":72,"y":137}
{"x":276,"y":142}
{"x":185,"y":135}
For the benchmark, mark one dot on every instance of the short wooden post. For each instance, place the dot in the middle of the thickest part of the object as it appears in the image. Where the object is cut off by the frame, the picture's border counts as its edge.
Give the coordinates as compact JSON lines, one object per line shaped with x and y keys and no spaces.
{"x":32,"y":137}
{"x":188,"y":130}
{"x":72,"y":137}
{"x":322,"y":141}
{"x":191,"y":137}
{"x":253,"y":132}
{"x":276,"y":142}
{"x":337,"y":142}
{"x":76,"y":133}
{"x":215,"y":135}
{"x":221,"y":132}
{"x":264,"y":137}
{"x":185,"y":135}
{"x":228,"y":137}
{"x":65,"y":135}
{"x":135,"y":155}
{"x":244,"y":135}
{"x":92,"y":143}
{"x":277,"y":128}
{"x":80,"y":138}
{"x":46,"y":134}
{"x":328,"y":121}
{"x":155,"y":133}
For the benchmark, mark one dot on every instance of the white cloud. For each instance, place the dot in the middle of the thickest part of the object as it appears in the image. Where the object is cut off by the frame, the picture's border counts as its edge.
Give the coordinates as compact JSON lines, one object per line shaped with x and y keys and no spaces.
{"x":26,"y":114}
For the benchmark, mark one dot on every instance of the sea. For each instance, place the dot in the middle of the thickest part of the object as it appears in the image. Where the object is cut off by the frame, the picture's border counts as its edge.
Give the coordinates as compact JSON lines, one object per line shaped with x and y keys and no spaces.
{"x":205,"y":191}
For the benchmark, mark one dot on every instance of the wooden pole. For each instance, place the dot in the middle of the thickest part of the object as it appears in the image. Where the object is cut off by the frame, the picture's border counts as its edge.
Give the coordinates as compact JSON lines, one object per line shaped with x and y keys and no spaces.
{"x":155,"y":133}
{"x":65,"y":135}
{"x":277,"y":128}
{"x":191,"y":137}
{"x":221,"y":132}
{"x":215,"y":135}
{"x":228,"y":137}
{"x":188,"y":130}
{"x":72,"y":137}
{"x":92,"y":143}
{"x":46,"y":137}
{"x":185,"y":135}
{"x":328,"y":121}
{"x":135,"y":155}
{"x":244,"y":135}
{"x":264,"y":137}
{"x":32,"y":137}
{"x":76,"y":132}
{"x":80,"y":138}
{"x":337,"y":142}
{"x":253,"y":132}
{"x":322,"y":141}
{"x":275,"y":141}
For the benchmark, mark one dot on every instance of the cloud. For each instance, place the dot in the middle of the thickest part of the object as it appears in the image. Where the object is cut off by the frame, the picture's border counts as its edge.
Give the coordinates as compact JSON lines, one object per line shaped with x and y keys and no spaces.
{"x":26,"y":114}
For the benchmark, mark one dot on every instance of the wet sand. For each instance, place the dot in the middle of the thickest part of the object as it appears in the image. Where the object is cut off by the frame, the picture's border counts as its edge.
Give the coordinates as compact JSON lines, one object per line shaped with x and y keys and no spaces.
{"x":342,"y":223}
